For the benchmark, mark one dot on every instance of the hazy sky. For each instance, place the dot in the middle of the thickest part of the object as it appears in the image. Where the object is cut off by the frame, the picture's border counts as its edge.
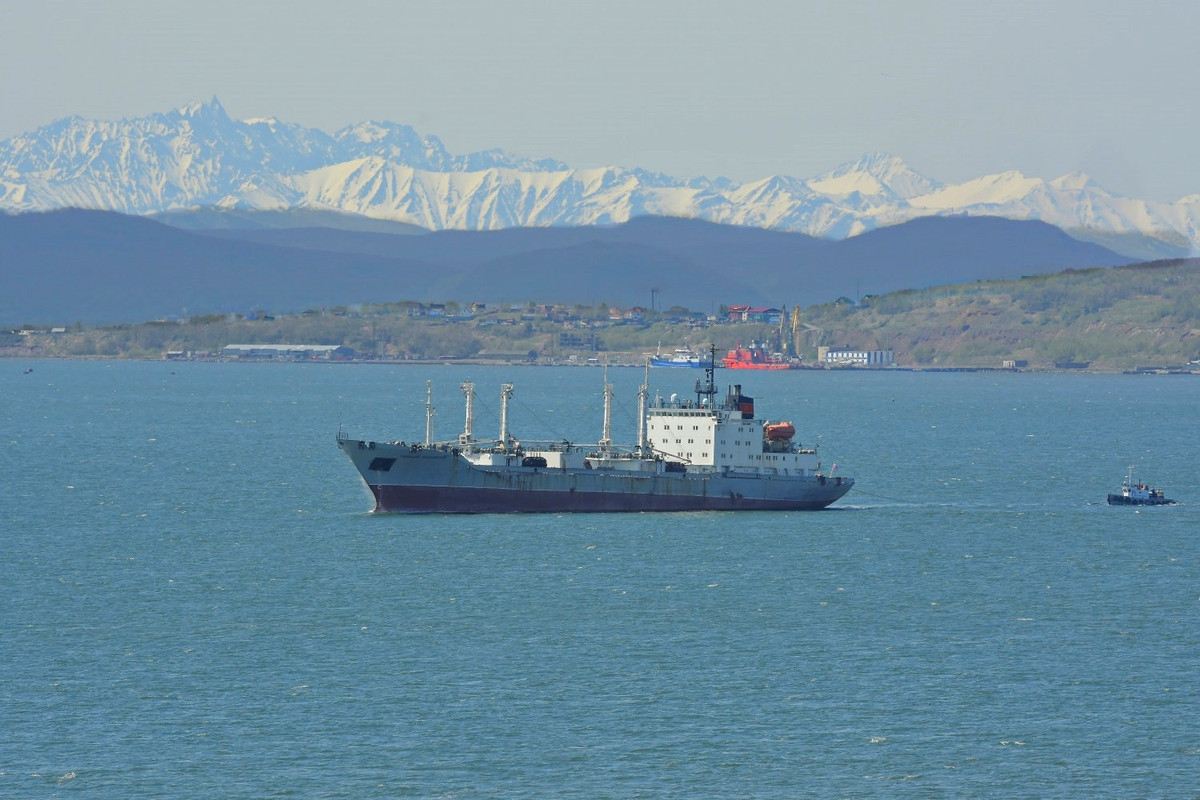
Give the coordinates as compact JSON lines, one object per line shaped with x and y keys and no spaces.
{"x":737,"y":89}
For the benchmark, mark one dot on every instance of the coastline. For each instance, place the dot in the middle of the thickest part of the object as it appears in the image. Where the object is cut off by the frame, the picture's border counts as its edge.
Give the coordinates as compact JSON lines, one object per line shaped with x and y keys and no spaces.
{"x":619,"y":361}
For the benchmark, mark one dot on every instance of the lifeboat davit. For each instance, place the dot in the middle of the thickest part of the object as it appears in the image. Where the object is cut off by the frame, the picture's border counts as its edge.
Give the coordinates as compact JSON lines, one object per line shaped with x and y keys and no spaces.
{"x":780,"y":431}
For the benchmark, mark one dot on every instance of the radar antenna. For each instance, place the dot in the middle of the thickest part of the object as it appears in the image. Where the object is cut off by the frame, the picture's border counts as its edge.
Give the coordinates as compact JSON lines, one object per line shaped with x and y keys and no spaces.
{"x":707,"y":387}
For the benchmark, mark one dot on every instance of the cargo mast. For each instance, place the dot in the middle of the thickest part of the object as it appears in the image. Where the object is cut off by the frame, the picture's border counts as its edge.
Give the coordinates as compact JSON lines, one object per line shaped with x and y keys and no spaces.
{"x":468,"y":434}
{"x":606,"y":430}
{"x":643,"y":394}
{"x":506,"y":392}
{"x":428,"y":413}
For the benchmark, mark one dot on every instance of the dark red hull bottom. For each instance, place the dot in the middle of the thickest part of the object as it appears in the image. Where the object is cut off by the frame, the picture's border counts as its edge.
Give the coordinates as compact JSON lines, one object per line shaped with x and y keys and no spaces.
{"x":407,"y":499}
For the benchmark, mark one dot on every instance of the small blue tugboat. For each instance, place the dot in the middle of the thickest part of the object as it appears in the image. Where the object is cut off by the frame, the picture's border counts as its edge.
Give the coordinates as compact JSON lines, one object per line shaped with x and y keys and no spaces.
{"x":1138,"y":494}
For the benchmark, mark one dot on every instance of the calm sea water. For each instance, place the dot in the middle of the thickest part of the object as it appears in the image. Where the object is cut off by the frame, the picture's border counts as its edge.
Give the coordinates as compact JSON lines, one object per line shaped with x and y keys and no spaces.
{"x":197,"y":603}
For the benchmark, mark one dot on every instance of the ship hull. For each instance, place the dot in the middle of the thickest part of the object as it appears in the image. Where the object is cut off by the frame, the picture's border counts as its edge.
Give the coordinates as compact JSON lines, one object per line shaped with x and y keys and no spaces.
{"x":1122,"y":500}
{"x":419,"y":480}
{"x":473,"y":500}
{"x":686,"y":364}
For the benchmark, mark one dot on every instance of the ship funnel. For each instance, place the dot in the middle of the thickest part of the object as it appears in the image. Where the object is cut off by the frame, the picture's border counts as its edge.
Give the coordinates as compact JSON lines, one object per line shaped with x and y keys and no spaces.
{"x":740,"y":402}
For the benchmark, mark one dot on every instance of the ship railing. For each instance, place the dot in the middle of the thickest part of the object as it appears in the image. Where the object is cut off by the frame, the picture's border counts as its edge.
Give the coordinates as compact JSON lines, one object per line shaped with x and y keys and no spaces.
{"x":612,"y":454}
{"x":553,"y":446}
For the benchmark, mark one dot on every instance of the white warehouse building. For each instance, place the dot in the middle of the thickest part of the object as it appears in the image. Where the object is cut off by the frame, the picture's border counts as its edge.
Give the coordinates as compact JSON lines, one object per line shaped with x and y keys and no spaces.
{"x":830,"y":356}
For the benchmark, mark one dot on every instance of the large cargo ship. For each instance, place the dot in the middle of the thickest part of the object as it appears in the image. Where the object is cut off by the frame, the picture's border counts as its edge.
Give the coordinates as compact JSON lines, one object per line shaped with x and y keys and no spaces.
{"x":690,"y":455}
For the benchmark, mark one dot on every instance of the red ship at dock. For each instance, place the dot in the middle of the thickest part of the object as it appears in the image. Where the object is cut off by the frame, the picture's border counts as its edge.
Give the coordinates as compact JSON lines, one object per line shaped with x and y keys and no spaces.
{"x":756,"y":357}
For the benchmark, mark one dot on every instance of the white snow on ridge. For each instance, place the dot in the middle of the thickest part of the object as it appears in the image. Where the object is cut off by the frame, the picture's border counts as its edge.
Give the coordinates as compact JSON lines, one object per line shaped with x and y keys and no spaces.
{"x":848,"y":184}
{"x":197,"y":156}
{"x":989,"y":190}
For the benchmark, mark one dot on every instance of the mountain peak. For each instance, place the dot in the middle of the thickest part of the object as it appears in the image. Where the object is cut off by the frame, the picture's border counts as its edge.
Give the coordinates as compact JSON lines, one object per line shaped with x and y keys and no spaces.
{"x":1073,"y":182}
{"x":198,"y":109}
{"x":878,"y":163}
{"x":874,"y":175}
{"x":372,"y":131}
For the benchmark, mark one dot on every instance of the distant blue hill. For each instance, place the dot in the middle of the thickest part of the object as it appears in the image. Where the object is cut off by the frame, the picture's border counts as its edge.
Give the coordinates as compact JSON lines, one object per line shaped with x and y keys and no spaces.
{"x":102,"y":267}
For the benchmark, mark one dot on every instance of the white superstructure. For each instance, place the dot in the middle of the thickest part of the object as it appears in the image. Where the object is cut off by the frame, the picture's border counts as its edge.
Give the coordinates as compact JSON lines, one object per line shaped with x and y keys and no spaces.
{"x":725,"y":437}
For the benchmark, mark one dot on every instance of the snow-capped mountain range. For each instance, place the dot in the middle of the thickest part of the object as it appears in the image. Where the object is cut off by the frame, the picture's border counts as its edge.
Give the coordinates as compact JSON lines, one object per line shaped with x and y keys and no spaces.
{"x":196,"y":157}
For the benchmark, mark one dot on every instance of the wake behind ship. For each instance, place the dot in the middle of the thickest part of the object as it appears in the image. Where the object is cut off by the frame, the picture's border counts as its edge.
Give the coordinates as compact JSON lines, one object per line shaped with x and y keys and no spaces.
{"x":689,"y":456}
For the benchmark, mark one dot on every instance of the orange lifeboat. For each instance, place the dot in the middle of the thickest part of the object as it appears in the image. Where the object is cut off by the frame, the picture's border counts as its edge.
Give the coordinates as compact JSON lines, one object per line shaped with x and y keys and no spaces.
{"x":780,"y":431}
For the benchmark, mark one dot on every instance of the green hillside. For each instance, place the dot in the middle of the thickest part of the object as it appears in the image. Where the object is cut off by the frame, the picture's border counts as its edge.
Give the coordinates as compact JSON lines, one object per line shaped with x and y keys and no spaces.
{"x":1146,"y":315}
{"x":1118,"y":318}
